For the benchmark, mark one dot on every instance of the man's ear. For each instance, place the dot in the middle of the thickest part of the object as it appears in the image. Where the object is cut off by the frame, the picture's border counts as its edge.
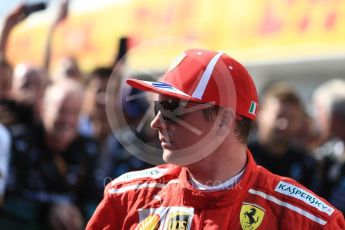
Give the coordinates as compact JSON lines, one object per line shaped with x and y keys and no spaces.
{"x":225,"y":121}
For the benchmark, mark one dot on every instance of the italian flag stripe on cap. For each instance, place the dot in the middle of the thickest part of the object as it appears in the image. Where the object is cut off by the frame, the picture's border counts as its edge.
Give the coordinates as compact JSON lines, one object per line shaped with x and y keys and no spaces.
{"x":252,"y":109}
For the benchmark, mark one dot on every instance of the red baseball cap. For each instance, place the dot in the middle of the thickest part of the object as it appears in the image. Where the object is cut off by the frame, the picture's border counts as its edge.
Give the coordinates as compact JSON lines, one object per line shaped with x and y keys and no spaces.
{"x":206,"y":76}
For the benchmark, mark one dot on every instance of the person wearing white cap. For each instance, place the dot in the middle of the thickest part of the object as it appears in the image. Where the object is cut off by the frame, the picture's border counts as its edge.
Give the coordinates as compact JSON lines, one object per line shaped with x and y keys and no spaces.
{"x":206,"y":102}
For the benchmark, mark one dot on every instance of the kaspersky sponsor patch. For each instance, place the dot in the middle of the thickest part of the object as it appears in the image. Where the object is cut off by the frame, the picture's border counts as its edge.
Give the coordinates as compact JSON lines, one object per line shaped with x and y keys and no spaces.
{"x":303,"y":195}
{"x":147,"y":173}
{"x":165,"y":218}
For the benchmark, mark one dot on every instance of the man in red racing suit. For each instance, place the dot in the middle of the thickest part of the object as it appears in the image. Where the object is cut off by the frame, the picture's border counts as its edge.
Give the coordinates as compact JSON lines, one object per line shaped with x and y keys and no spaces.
{"x":206,"y":103}
{"x":163,"y":198}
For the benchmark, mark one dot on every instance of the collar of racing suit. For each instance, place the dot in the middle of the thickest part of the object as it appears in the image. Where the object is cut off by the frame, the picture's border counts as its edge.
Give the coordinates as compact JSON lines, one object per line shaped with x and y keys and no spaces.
{"x":217,"y":199}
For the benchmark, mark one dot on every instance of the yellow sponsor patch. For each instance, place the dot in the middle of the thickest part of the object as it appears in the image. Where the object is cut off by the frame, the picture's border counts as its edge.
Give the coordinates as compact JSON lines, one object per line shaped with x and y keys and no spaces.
{"x":178,"y":221}
{"x":151,"y":222}
{"x":165,"y":218}
{"x":251,"y":216}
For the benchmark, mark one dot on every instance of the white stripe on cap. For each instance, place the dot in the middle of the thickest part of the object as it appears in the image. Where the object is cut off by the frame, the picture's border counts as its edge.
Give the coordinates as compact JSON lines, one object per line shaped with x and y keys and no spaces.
{"x":200,"y":89}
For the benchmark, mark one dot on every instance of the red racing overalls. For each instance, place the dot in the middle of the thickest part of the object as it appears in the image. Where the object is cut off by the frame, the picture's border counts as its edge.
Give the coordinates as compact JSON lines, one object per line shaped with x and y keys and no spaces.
{"x":163,"y":198}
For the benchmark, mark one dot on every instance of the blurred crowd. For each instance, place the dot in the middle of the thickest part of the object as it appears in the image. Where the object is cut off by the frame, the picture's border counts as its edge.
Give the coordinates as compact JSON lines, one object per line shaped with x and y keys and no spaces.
{"x":58,"y":151}
{"x":310,"y":149}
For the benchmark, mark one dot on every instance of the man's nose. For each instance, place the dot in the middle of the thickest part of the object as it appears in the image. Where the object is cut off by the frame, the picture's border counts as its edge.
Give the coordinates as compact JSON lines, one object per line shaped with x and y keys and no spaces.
{"x":156,"y":122}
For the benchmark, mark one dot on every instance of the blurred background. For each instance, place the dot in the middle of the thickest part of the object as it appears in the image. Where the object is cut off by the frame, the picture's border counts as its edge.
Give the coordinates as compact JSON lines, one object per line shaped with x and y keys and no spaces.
{"x":302,"y":42}
{"x":62,"y":64}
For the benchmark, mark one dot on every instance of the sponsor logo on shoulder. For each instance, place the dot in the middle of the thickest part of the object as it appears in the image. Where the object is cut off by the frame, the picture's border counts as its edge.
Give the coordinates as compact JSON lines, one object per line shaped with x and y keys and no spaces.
{"x":303,"y":195}
{"x":147,"y":173}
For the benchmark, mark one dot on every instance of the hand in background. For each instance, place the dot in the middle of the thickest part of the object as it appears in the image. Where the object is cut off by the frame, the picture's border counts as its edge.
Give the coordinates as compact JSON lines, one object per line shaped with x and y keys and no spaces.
{"x":62,"y":13}
{"x":60,"y":16}
{"x":65,"y":217}
{"x":15,"y":16}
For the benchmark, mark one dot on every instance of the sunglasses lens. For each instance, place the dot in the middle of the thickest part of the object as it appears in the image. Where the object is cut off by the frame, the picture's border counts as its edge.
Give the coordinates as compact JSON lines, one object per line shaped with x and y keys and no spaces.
{"x":167,"y":109}
{"x":156,"y":107}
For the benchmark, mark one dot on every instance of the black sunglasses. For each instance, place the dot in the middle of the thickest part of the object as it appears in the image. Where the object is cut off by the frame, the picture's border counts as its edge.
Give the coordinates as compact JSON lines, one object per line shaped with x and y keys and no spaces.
{"x":173,"y":110}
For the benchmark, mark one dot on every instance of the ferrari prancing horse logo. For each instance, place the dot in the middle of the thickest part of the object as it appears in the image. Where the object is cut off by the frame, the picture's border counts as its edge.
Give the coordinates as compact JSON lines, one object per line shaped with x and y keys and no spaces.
{"x":251,"y":216}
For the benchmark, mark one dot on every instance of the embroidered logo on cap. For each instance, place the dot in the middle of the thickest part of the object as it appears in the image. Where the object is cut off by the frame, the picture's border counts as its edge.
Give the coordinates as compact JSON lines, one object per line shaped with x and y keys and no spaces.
{"x":162,"y":85}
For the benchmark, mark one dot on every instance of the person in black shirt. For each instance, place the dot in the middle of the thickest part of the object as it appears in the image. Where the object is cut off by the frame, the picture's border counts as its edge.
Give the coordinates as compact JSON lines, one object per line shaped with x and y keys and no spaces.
{"x":114,"y":159}
{"x":329,"y":104}
{"x":50,"y":181}
{"x":279,"y":120}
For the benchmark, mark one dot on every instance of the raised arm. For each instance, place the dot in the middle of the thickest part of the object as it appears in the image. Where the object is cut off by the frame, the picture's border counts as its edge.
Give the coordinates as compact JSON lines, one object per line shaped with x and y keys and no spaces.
{"x":61,"y":15}
{"x":11,"y":20}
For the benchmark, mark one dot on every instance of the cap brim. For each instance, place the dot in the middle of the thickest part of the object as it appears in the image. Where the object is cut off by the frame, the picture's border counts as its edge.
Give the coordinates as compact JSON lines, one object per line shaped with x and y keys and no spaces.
{"x":161,"y":88}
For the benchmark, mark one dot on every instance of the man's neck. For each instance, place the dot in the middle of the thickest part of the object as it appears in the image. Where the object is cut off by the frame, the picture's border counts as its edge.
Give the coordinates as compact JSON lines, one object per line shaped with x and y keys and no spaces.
{"x":220,"y":166}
